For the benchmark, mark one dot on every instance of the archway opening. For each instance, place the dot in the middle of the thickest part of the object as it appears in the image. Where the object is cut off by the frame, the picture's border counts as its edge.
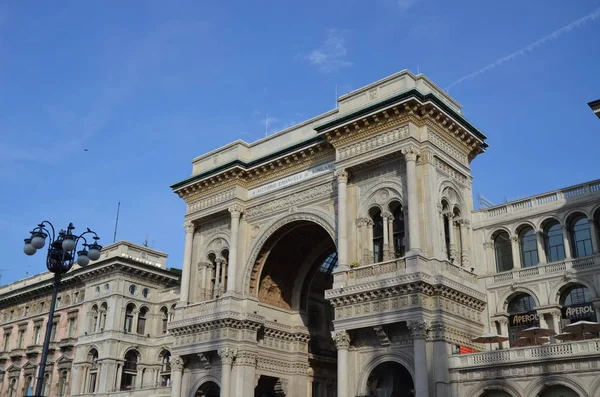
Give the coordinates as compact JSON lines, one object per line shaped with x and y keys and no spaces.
{"x":558,"y":391}
{"x":522,"y":315}
{"x":208,"y":389}
{"x":292,"y":272}
{"x":390,"y":379}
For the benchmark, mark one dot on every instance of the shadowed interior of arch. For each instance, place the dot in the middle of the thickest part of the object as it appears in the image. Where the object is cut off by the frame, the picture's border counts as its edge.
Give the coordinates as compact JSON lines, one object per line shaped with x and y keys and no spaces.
{"x":390,"y":379}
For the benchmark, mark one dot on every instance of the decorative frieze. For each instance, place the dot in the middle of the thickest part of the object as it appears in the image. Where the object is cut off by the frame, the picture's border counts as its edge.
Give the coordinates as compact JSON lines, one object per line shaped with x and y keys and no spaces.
{"x":447,"y":147}
{"x":272,"y":365}
{"x":291,"y":200}
{"x":375,"y":142}
{"x":449,"y":171}
{"x":211,"y":201}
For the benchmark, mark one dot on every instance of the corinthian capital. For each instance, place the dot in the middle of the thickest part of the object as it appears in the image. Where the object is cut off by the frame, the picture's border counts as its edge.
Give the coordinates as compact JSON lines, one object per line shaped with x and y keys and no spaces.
{"x":236,"y":210}
{"x":341,"y":339}
{"x":410,"y":153}
{"x":418,"y":329}
{"x":176,"y":363}
{"x":227,"y":355}
{"x":189,"y":226}
{"x":341,"y":175}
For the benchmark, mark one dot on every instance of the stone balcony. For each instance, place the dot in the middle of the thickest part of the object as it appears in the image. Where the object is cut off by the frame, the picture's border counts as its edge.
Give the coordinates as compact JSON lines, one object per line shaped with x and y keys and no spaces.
{"x":545,"y":358}
{"x":537,"y":204}
{"x":34,"y":350}
{"x":588,"y":263}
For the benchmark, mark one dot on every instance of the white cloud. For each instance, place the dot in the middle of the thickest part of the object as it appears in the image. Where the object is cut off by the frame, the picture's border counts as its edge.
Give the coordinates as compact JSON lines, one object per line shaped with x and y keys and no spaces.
{"x":331,"y":55}
{"x":404,"y":5}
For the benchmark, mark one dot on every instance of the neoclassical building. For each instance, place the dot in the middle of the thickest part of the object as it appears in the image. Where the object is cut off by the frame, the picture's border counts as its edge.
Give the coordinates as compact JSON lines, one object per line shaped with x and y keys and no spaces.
{"x":343,"y":257}
{"x":109,"y":335}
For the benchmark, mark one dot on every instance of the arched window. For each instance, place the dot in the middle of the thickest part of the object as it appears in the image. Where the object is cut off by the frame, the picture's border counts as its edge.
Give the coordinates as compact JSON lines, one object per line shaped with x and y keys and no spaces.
{"x":528,"y":244}
{"x":398,"y":229}
{"x":576,"y":302}
{"x":129,"y":317}
{"x":129,"y":370}
{"x":47,"y":384}
{"x":63,"y":383}
{"x":503,"y":250}
{"x":165,"y":319}
{"x":103,"y":314}
{"x":94,"y":319}
{"x":581,"y":237}
{"x":29,"y":386}
{"x":446,"y":225}
{"x":141,"y":325}
{"x":458,"y":237}
{"x":165,"y":369}
{"x":375,"y":214}
{"x":93,"y":374}
{"x":555,"y":246}
{"x":212,"y":258}
{"x":522,"y":314}
{"x":12,"y":388}
{"x":225,"y":256}
{"x":172,"y":313}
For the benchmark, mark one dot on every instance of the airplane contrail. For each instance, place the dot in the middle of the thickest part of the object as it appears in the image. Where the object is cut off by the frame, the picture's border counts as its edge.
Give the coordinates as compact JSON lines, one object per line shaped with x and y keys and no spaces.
{"x":552,"y":36}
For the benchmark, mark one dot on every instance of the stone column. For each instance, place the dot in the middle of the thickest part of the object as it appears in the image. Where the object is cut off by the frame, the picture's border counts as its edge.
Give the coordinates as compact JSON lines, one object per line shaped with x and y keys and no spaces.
{"x":419,"y":334}
{"x":539,"y":240}
{"x":203,"y":274}
{"x":227,"y":355}
{"x":217,"y":291}
{"x":386,"y":235}
{"x":594,"y":235}
{"x":187,"y":263}
{"x":451,"y":236}
{"x":597,"y":309}
{"x":342,"y":179}
{"x":556,"y":317}
{"x":210,"y":269}
{"x":491,"y":258}
{"x":464,"y":242}
{"x":567,"y":241}
{"x":442,"y":231}
{"x":176,"y":375}
{"x":361,"y":224}
{"x":370,"y":241}
{"x":410,"y":155}
{"x":504,"y":330}
{"x":236,"y":212}
{"x":391,"y":236}
{"x":516,"y":252}
{"x":119,"y":376}
{"x":342,"y":343}
{"x":245,"y":366}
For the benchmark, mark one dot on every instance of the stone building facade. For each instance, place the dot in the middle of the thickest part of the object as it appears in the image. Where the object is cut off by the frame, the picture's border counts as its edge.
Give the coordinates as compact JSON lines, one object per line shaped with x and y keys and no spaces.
{"x":343,"y":257}
{"x":110,"y":328}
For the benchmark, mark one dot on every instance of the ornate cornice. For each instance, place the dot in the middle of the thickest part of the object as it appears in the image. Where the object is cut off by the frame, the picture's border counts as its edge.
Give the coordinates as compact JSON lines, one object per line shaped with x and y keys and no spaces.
{"x":251,"y":175}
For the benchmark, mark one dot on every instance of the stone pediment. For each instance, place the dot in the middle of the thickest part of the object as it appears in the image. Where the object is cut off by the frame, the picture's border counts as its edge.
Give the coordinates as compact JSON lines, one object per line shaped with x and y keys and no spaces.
{"x":13,"y":368}
{"x":29,"y":365}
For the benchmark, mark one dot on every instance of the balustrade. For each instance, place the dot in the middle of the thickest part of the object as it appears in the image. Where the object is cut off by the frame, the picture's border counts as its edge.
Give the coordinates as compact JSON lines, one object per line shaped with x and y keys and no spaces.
{"x":550,"y":268}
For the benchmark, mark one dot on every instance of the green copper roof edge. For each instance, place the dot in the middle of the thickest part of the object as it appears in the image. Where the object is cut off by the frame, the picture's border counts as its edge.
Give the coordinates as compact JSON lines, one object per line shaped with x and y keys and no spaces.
{"x":402,"y":95}
{"x":249,"y":164}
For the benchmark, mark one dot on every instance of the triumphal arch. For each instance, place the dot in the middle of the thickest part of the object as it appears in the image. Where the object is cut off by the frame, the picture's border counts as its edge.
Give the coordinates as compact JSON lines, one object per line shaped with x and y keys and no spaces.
{"x":332,"y":258}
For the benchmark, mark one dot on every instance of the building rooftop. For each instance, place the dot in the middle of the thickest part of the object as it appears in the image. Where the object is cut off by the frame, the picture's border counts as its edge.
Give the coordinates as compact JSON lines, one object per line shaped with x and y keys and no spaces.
{"x":595,"y":105}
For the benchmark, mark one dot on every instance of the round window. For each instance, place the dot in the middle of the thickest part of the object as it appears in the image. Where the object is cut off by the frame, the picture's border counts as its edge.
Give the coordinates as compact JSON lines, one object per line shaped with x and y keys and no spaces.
{"x":145,"y":292}
{"x":132,"y":289}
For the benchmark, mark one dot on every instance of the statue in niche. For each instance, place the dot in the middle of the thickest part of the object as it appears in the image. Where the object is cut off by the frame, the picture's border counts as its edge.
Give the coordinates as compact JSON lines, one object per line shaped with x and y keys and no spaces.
{"x":270,"y":293}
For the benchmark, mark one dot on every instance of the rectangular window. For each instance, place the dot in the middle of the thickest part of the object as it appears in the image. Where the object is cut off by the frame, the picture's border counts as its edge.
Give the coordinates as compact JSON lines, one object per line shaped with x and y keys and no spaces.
{"x":36,"y":335}
{"x":6,"y":341}
{"x":58,"y":302}
{"x":93,"y":376}
{"x":21,"y":337}
{"x":71,"y":327}
{"x":53,"y":331}
{"x":42,"y":304}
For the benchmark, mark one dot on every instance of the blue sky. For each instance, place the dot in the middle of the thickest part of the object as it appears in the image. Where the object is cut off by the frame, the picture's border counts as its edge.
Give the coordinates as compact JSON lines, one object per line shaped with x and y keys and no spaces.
{"x":147,"y":86}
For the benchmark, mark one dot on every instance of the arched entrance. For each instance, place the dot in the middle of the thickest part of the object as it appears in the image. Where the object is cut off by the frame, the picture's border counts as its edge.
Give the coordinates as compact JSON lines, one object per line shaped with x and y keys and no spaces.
{"x":208,"y":389}
{"x":292,"y":271}
{"x":390,"y":379}
{"x":558,"y":391}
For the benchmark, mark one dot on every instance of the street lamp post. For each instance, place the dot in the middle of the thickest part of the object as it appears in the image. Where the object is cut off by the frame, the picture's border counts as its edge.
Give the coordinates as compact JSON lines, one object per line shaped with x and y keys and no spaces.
{"x":62,"y":248}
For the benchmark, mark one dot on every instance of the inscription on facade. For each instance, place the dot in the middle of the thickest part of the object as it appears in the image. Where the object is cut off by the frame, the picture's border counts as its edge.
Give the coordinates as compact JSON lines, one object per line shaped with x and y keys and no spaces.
{"x":291,"y":180}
